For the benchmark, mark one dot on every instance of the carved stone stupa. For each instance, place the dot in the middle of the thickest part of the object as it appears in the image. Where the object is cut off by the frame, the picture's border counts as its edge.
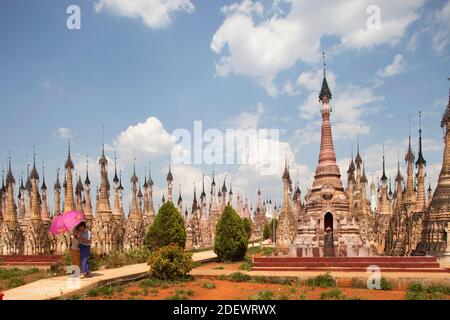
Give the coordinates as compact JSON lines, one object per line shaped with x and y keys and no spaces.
{"x":436,"y":223}
{"x":327,"y":228}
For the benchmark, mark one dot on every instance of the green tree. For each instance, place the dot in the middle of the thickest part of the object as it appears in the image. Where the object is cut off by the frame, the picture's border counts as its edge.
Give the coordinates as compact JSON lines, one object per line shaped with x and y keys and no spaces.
{"x":248,"y":227}
{"x":267,"y":232}
{"x":168,"y":228}
{"x":273,"y":224}
{"x":231,"y":240}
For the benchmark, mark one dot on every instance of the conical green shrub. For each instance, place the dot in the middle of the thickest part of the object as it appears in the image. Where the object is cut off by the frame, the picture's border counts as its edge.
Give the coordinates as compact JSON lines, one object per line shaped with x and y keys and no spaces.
{"x":231,"y":240}
{"x":167,"y":229}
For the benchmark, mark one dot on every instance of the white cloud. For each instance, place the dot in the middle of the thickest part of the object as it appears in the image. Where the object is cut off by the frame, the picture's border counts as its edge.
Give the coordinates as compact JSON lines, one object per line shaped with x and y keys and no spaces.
{"x":246,"y":119}
{"x":246,"y":7}
{"x":290,"y":89}
{"x":432,"y":145}
{"x":48,"y":84}
{"x":397,"y":66}
{"x":260,"y":44}
{"x":93,"y":167}
{"x":154,"y":13}
{"x":441,"y":29}
{"x":414,"y":41}
{"x":312,"y":80}
{"x":64,"y":133}
{"x":249,"y":177}
{"x":147,"y":138}
{"x":350,"y":105}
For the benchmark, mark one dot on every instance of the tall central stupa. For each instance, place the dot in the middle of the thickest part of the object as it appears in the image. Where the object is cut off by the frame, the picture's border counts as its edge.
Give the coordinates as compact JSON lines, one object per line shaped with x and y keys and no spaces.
{"x":327,"y":228}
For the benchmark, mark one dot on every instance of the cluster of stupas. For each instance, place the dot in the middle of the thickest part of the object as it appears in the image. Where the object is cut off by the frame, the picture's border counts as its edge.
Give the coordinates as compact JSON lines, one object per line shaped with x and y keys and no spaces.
{"x":331,"y":219}
{"x":25,"y":220}
{"x":335,"y":220}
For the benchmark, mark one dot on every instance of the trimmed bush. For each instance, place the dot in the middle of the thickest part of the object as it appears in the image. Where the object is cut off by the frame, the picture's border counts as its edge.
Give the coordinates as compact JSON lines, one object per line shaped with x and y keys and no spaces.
{"x":231,"y":241}
{"x":170,"y":263}
{"x":167,"y":229}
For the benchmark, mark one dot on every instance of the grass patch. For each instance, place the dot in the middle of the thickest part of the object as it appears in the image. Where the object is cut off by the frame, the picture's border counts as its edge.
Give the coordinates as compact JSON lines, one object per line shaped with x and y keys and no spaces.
{"x":264,"y":251}
{"x":209,"y":285}
{"x":358,"y":283}
{"x":15,"y":272}
{"x":15,"y":277}
{"x":154,"y":292}
{"x":246,"y":266}
{"x":335,"y":294}
{"x":155,"y":283}
{"x":104,"y":291}
{"x":272,"y":280}
{"x":283,"y":296}
{"x":196,"y":264}
{"x":385,"y":284}
{"x":254,"y":250}
{"x":263,"y":295}
{"x":417,"y":291}
{"x":134,"y":293}
{"x":302,"y":296}
{"x":322,"y":281}
{"x":180,"y":294}
{"x":222,"y":277}
{"x":218,"y":268}
{"x":239,"y":277}
{"x":190,"y":292}
{"x":15,"y":282}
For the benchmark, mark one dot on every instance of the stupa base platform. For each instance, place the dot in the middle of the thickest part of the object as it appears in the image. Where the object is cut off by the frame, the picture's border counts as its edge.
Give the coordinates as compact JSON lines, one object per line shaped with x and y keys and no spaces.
{"x":353,"y":264}
{"x":32,"y":261}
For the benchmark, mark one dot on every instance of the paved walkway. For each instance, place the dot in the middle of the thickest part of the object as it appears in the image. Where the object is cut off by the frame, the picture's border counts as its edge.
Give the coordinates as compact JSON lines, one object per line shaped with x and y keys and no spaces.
{"x":52,"y":288}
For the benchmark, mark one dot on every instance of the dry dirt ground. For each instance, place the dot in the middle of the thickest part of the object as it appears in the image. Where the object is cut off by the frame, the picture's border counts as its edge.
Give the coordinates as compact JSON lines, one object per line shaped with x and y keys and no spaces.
{"x":228,"y":290}
{"x":221,"y":288}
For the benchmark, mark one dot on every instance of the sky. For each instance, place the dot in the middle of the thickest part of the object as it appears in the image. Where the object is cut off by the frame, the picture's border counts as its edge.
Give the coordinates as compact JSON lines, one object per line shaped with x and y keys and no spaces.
{"x":144,"y":69}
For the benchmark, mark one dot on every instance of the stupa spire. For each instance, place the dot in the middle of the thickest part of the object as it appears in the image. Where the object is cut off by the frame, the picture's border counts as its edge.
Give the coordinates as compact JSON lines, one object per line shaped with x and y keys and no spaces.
{"x":420,"y":158}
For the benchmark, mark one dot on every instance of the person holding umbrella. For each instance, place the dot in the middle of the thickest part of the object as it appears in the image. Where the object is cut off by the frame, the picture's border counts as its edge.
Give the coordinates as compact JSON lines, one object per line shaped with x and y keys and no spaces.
{"x":84,"y":239}
{"x":75,"y":250}
{"x":73,"y":221}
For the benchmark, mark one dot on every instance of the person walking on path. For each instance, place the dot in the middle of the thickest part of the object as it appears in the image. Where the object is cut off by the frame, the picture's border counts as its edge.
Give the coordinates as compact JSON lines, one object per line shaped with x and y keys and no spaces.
{"x":75,"y":250}
{"x":85,"y":248}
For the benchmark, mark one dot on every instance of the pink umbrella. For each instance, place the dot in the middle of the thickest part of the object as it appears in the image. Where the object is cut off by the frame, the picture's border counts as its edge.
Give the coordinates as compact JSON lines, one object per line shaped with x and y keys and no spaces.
{"x":66,"y":222}
{"x":72,"y":219}
{"x":58,"y":226}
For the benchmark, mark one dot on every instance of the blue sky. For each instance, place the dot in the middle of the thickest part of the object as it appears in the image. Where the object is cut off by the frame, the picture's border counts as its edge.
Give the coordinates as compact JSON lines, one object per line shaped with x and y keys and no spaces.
{"x":229,"y":64}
